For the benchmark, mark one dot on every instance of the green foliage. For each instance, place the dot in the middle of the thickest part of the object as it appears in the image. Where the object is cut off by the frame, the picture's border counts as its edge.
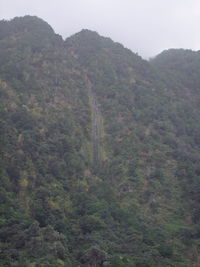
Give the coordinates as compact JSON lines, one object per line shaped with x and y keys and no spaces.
{"x":137,"y":206}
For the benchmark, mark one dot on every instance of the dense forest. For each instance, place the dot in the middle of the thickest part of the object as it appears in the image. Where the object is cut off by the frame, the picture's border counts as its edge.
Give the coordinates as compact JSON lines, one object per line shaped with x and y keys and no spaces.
{"x":99,"y":152}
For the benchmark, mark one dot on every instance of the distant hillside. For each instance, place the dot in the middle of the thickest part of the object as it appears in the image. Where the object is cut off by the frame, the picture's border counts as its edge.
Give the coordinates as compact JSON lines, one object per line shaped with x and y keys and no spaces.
{"x":99,"y":152}
{"x":179,"y":67}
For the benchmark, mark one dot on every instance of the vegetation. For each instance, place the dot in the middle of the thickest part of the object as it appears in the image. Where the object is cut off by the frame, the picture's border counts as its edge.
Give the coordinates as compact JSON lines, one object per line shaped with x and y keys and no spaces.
{"x":99,"y":152}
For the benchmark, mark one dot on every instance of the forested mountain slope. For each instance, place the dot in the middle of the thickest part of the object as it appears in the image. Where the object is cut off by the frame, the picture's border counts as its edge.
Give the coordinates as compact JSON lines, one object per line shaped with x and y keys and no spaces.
{"x":99,"y":152}
{"x":179,"y":67}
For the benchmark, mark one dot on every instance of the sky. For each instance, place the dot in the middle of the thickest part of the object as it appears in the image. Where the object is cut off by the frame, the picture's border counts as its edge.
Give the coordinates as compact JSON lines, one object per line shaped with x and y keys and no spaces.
{"x":147,"y":27}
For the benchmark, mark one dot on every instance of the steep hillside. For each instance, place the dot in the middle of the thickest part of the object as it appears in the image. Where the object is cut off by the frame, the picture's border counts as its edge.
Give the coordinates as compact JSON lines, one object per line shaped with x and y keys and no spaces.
{"x":45,"y":124}
{"x":99,"y":153}
{"x":152,"y":135}
{"x":179,"y":68}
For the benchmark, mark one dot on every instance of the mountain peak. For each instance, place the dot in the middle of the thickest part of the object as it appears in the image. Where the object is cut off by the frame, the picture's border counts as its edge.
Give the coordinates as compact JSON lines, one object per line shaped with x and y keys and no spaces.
{"x":32,"y":23}
{"x":88,"y":32}
{"x":87,"y":37}
{"x":26,"y":24}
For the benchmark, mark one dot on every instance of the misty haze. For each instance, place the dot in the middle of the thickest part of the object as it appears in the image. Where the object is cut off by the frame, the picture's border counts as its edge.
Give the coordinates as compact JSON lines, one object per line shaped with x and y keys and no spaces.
{"x":145,"y":27}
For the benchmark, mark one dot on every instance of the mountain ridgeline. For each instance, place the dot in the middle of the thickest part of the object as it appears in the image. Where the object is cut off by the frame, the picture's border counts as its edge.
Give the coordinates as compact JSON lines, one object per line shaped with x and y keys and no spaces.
{"x":99,"y":152}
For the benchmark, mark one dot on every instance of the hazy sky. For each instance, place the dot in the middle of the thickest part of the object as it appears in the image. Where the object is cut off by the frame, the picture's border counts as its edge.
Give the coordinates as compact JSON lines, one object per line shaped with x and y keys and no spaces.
{"x":145,"y":26}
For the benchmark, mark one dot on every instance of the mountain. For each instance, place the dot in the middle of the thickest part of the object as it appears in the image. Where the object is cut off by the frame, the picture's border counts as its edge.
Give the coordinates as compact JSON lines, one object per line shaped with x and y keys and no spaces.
{"x":180,"y":67}
{"x":99,"y":151}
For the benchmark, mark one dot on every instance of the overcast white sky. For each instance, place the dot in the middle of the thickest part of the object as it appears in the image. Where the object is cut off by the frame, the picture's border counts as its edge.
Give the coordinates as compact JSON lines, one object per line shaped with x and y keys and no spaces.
{"x":145,"y":26}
